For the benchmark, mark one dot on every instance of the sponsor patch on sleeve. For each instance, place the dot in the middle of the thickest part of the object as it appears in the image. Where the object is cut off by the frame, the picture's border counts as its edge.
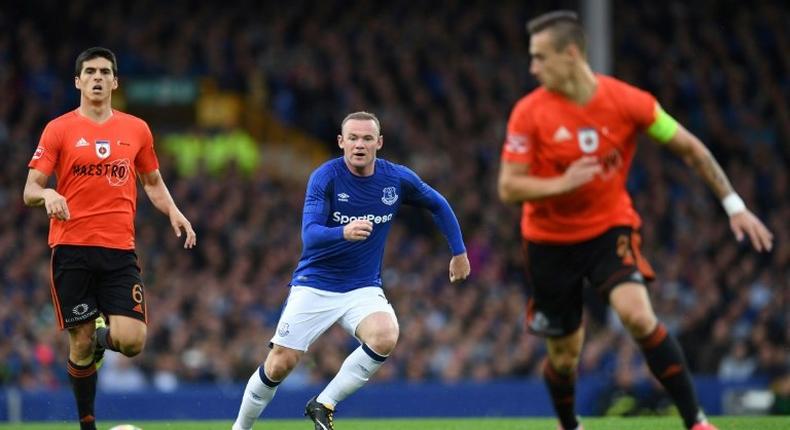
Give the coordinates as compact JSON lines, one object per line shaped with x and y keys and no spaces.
{"x":517,"y":143}
{"x":39,"y":152}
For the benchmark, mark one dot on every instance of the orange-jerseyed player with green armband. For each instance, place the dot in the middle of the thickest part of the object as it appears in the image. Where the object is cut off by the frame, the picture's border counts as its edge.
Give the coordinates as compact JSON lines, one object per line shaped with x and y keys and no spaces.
{"x":566,"y":158}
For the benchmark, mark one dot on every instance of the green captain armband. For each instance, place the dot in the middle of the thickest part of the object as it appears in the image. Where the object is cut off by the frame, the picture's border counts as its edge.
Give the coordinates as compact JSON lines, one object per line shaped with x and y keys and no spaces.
{"x":664,"y":127}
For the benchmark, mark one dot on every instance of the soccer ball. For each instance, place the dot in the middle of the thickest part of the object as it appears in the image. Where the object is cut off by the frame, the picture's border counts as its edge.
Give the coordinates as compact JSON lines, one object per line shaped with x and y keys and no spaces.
{"x":125,"y":427}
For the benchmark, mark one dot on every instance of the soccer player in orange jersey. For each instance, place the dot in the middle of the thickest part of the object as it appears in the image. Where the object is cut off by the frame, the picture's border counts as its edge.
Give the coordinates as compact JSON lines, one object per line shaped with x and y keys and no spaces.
{"x":566,"y":157}
{"x":96,"y":154}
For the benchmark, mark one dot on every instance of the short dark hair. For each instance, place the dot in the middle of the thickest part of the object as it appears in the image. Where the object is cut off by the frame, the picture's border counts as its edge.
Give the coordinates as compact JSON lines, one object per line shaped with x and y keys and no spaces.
{"x":565,"y":27}
{"x":95,"y":52}
{"x":363,"y":116}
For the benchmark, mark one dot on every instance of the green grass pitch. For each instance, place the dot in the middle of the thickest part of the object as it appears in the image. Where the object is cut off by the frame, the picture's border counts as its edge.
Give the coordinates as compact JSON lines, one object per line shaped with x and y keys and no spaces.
{"x":641,"y":423}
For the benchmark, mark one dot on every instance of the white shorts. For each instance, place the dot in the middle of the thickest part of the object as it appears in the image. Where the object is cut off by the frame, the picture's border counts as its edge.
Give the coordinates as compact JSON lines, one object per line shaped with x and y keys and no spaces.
{"x":309,"y":312}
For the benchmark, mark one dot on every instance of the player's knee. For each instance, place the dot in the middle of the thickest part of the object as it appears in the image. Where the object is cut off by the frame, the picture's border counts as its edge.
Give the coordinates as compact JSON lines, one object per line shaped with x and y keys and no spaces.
{"x":81,"y":346}
{"x":81,"y":341}
{"x":132,"y":348}
{"x":638,"y":322}
{"x":565,"y":363}
{"x":280,"y":363}
{"x":278,"y":370}
{"x":131,"y":343}
{"x":383,"y":341}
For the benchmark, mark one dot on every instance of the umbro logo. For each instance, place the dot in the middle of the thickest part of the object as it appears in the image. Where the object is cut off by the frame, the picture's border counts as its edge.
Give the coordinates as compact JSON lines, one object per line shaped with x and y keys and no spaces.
{"x":562,"y":134}
{"x":343,"y":197}
{"x":80,"y":143}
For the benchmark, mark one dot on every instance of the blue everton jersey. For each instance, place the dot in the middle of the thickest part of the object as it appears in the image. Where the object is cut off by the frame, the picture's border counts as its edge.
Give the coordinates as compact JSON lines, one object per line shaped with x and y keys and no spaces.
{"x":336,"y":197}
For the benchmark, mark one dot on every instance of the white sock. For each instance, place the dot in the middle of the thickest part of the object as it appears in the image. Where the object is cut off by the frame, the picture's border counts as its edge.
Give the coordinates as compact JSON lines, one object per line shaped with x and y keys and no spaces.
{"x":358,"y":367}
{"x":256,"y":396}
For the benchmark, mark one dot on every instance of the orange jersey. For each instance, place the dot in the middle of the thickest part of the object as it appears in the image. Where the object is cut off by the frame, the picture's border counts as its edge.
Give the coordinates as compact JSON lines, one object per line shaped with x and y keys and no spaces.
{"x":96,"y":166}
{"x":548,"y":132}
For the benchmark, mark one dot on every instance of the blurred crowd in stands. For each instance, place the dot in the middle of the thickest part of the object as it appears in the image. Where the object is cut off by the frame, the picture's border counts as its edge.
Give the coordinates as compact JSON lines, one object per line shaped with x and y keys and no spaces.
{"x":442,"y":76}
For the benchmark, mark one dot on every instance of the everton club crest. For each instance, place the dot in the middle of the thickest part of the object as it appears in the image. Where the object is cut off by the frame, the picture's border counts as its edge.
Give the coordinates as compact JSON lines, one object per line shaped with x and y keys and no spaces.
{"x":390,"y":196}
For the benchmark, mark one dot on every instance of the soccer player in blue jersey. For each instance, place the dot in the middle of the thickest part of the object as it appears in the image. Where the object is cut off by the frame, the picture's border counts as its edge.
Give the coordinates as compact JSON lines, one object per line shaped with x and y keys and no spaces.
{"x":349,"y":208}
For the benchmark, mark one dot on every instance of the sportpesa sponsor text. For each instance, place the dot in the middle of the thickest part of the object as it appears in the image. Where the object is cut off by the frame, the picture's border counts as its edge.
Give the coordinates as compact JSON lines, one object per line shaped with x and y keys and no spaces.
{"x":375,"y":219}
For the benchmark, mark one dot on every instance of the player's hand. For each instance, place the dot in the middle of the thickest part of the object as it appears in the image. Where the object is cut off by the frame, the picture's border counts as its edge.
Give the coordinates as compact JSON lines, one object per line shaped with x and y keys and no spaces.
{"x":56,"y":205}
{"x":581,"y":172}
{"x":357,"y":230}
{"x":459,"y":268}
{"x":180,"y":222}
{"x":746,"y":224}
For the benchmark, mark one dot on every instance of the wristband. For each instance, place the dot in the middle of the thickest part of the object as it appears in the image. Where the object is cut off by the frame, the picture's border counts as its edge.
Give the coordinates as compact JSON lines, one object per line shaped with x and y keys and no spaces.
{"x":733,"y":204}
